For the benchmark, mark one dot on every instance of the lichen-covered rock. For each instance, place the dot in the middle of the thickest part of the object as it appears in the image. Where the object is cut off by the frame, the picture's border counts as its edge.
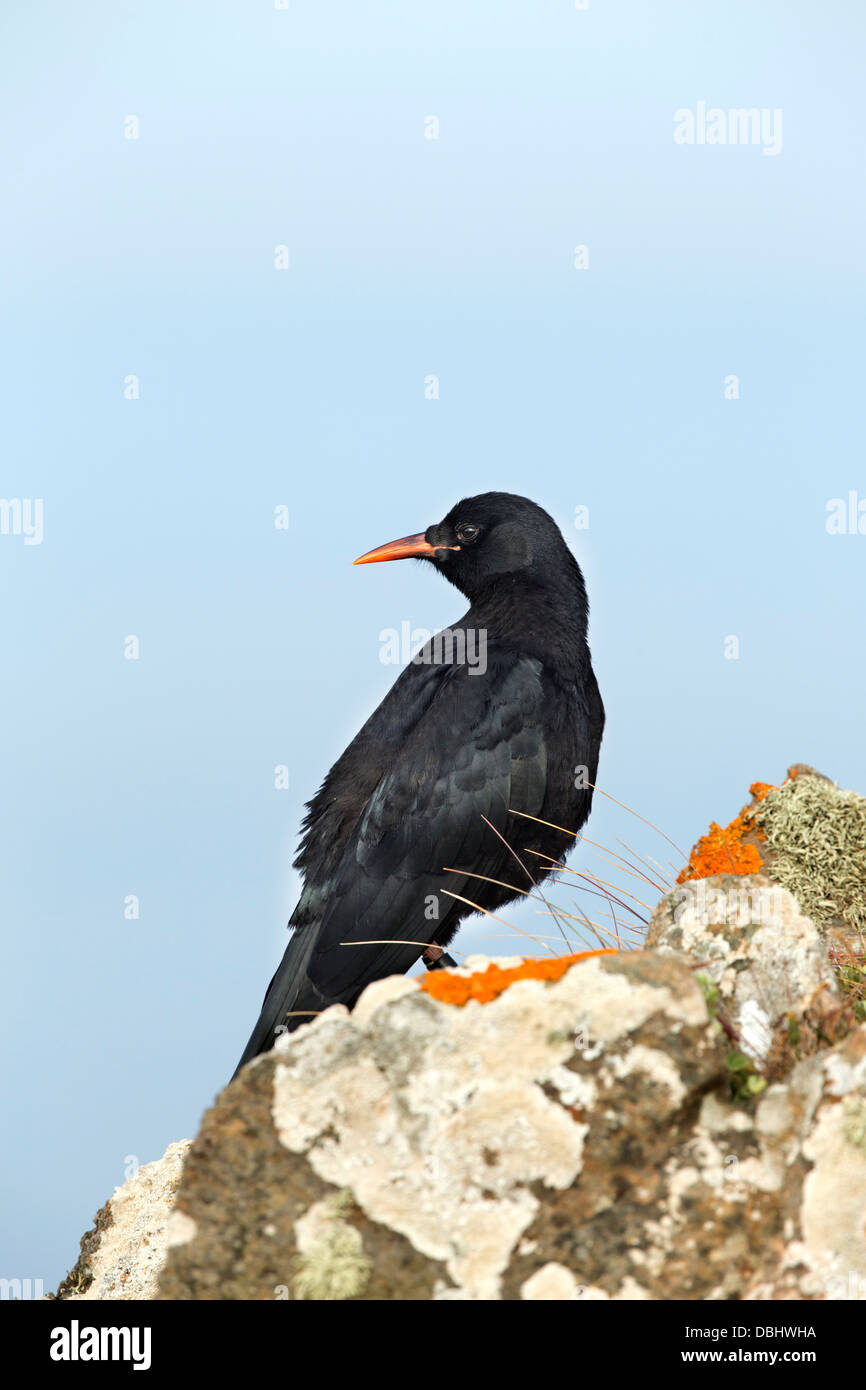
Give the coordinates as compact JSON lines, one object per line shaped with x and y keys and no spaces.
{"x":123,"y":1254}
{"x":468,"y":1149}
{"x":767,"y":962}
{"x":813,"y":1133}
{"x":683,"y":1122}
{"x":570,"y":1140}
{"x":809,"y":836}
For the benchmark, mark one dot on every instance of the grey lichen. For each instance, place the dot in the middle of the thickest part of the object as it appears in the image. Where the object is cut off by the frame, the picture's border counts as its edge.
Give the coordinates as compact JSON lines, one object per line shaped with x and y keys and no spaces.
{"x":817,"y":837}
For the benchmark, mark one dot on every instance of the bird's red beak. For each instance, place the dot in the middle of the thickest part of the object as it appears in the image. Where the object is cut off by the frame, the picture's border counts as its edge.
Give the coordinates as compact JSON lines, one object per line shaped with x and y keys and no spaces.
{"x":397,"y":550}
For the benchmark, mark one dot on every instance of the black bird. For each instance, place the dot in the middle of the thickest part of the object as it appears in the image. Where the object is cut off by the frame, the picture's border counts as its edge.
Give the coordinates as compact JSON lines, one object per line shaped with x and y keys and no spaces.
{"x":499,"y":714}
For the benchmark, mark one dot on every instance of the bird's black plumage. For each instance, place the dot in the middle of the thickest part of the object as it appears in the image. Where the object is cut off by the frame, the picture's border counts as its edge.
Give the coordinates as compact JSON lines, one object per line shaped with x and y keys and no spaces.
{"x":400,"y":822}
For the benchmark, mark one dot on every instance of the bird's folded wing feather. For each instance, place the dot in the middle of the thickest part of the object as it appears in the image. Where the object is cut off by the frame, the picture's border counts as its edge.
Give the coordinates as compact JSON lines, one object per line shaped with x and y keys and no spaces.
{"x":478,"y":750}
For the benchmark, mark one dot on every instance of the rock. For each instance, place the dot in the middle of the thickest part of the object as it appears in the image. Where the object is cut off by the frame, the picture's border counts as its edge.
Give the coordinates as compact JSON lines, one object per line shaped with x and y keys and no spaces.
{"x":449,"y":1139}
{"x":813,"y":1132}
{"x":683,"y":1122}
{"x":766,"y":960}
{"x":124,"y":1253}
{"x":807,"y":835}
{"x":569,"y":1140}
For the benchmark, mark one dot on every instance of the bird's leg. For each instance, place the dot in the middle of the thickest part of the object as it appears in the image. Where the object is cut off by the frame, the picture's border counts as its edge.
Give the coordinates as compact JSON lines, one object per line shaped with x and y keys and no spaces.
{"x":437,"y":958}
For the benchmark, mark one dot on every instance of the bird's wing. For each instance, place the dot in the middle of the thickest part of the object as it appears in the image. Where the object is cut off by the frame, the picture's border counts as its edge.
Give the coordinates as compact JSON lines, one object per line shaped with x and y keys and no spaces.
{"x":478,"y":750}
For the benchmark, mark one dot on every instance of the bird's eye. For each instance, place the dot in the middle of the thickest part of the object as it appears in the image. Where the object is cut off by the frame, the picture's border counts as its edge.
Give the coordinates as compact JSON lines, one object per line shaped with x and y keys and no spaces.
{"x":467,"y":534}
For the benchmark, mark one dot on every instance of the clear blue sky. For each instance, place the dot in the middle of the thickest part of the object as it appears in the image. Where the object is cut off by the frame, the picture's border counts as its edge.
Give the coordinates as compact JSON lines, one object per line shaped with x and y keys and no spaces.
{"x":602,"y":388}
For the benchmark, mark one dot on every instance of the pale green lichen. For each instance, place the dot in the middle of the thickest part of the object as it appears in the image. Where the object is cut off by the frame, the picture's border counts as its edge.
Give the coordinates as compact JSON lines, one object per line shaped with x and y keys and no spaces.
{"x":817,"y":836}
{"x":558,"y":1035}
{"x":854,"y":1122}
{"x":336,"y":1268}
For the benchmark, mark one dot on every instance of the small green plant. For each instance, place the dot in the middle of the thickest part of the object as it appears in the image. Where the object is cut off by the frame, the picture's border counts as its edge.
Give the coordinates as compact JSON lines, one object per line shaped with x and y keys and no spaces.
{"x":852,"y":982}
{"x":710,"y":990}
{"x":744,"y":1081}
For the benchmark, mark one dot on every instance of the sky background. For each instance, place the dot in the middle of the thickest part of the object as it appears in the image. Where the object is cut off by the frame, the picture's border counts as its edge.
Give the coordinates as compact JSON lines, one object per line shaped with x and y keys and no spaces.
{"x":258,"y":387}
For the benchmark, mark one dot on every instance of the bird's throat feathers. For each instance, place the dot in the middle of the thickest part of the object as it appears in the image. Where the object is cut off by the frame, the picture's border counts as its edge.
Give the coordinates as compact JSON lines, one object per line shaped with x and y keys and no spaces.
{"x":525,"y":610}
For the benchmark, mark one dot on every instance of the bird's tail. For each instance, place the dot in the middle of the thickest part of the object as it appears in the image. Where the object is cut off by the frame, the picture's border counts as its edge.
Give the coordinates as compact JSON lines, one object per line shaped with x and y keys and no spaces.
{"x":289,"y":992}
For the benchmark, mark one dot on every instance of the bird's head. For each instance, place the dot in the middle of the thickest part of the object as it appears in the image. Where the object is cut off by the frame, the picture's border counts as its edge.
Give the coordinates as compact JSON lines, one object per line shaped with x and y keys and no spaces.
{"x":484,"y":539}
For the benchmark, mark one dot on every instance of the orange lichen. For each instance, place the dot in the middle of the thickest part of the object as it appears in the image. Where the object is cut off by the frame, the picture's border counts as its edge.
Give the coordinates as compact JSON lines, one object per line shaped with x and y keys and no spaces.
{"x":723,"y":852}
{"x":485,"y":985}
{"x":759,"y":789}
